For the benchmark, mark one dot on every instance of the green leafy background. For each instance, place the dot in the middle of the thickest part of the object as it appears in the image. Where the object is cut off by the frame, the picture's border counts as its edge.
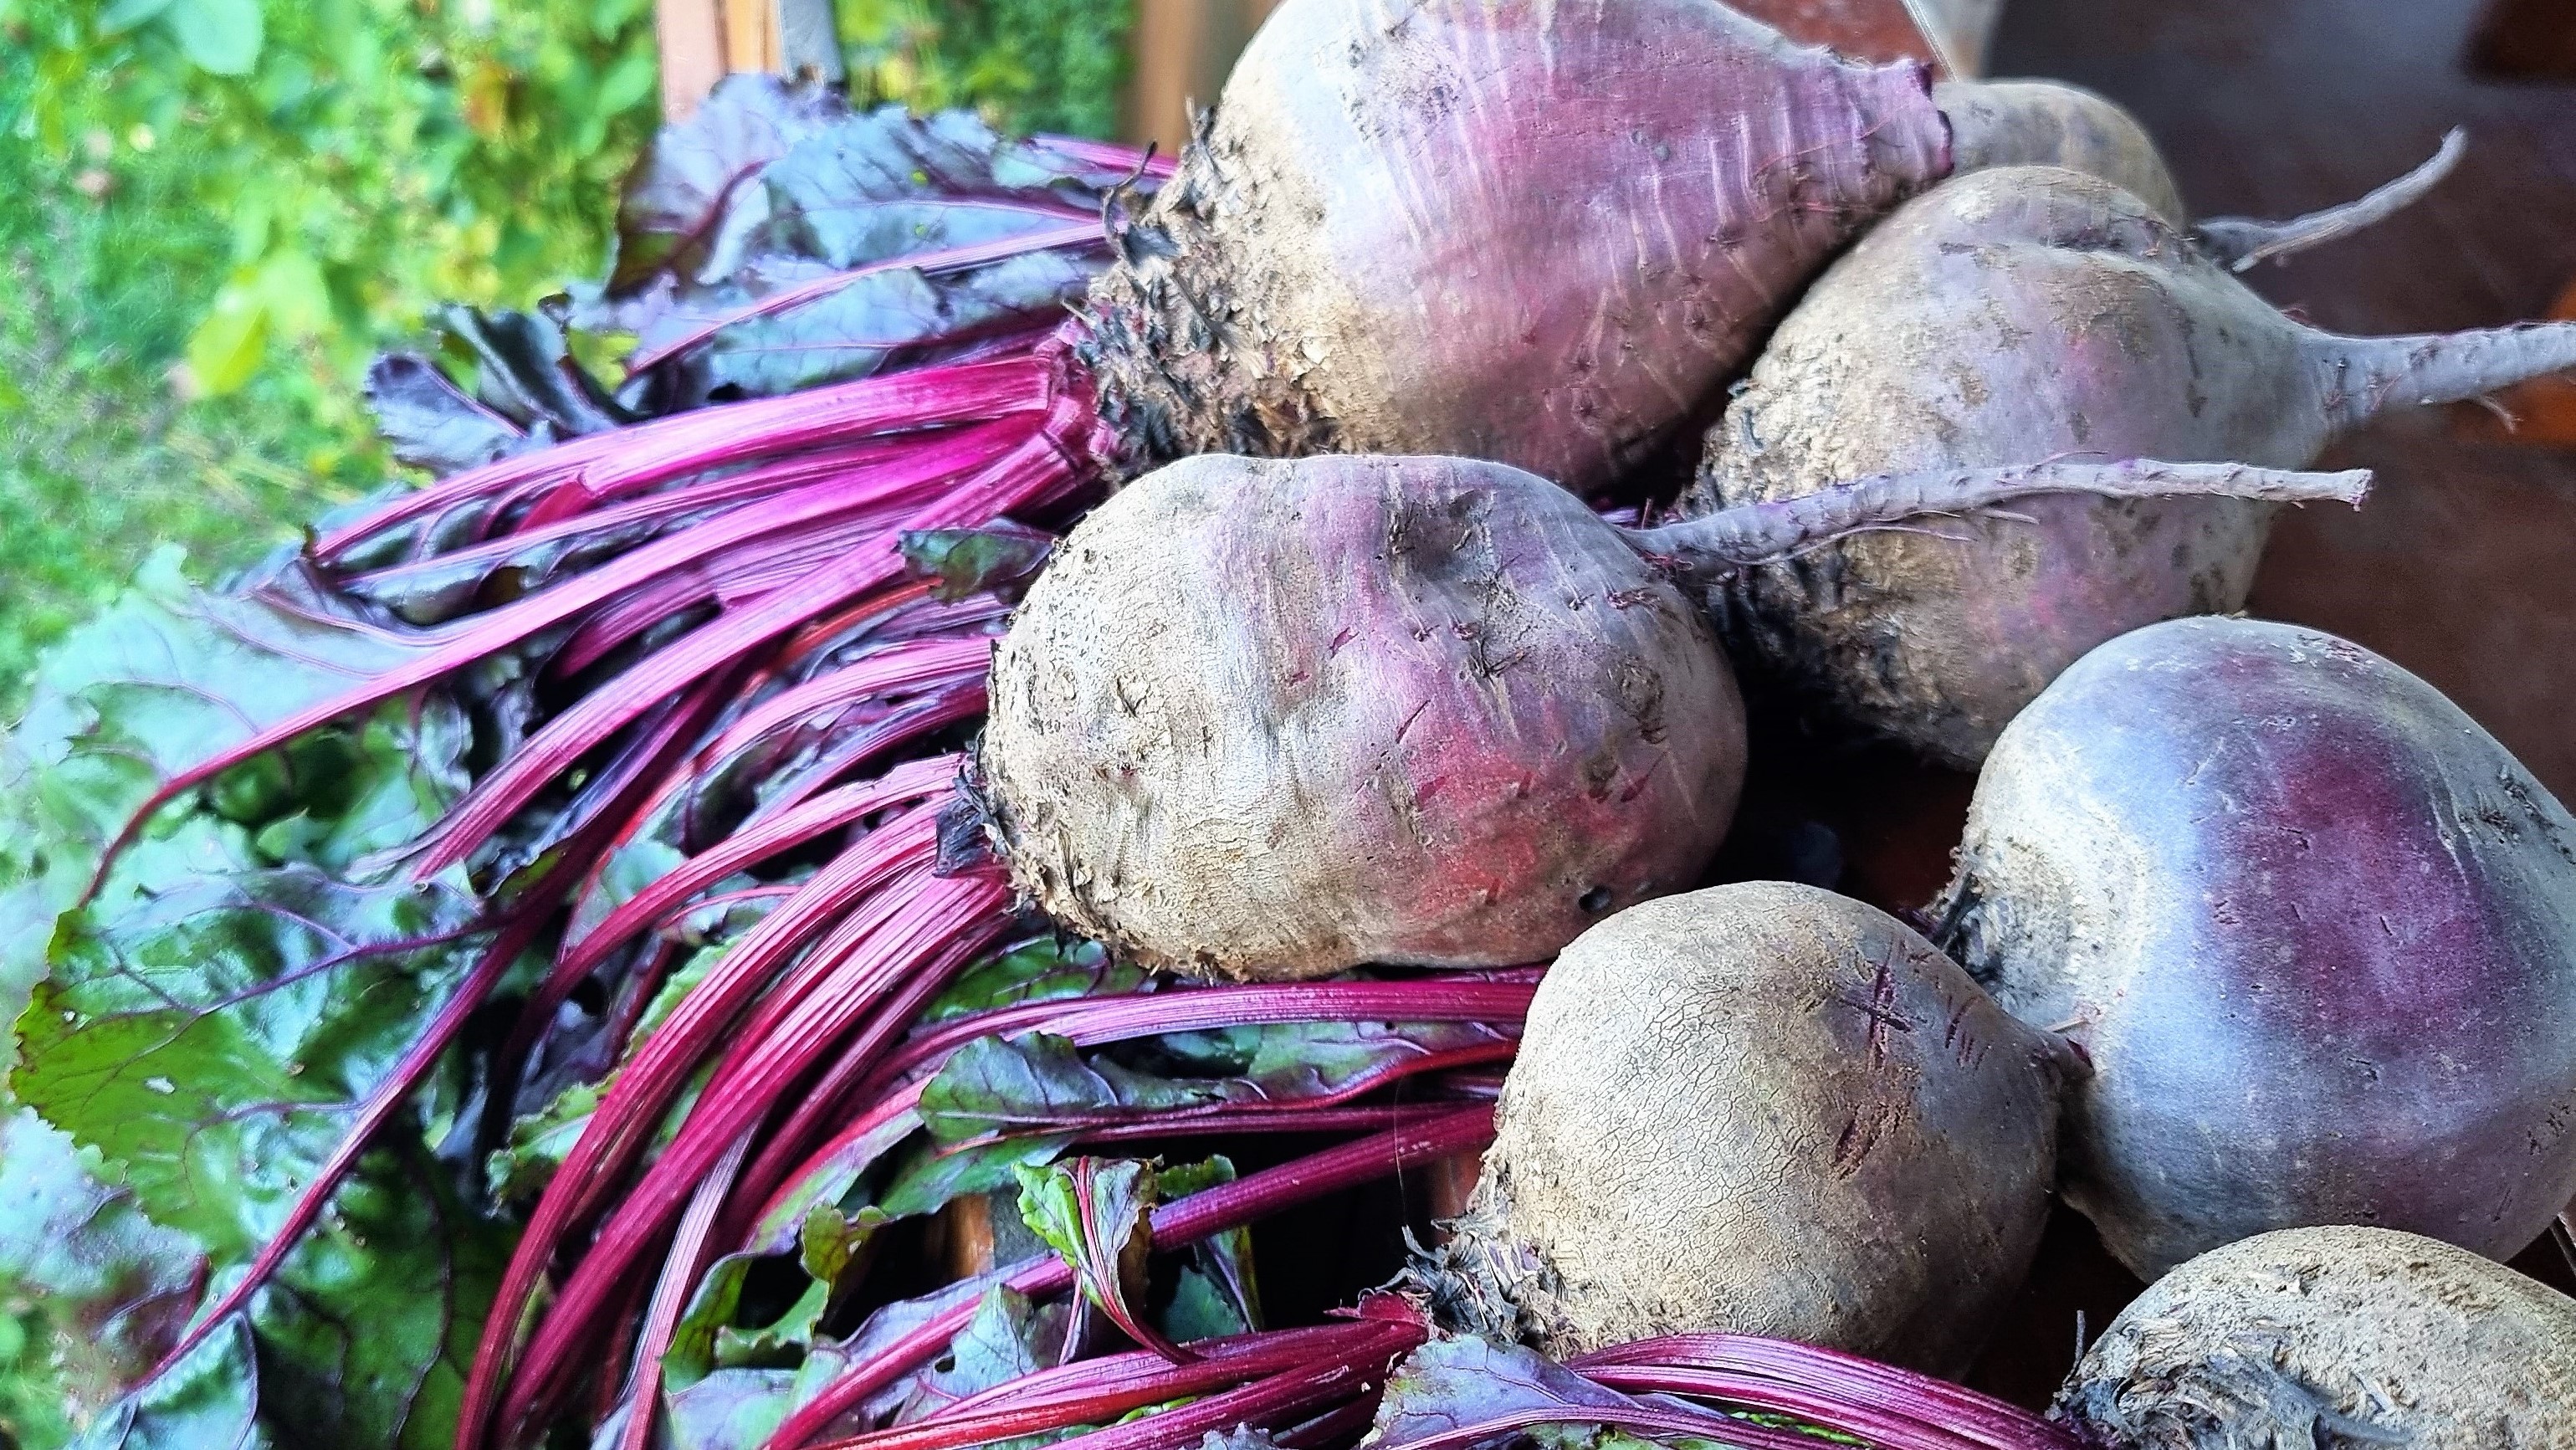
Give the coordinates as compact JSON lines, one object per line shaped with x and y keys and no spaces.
{"x":219,"y":210}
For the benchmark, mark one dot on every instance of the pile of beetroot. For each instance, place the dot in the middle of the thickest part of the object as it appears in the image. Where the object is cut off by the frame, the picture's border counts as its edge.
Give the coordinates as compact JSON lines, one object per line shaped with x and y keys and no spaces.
{"x":971,"y":854}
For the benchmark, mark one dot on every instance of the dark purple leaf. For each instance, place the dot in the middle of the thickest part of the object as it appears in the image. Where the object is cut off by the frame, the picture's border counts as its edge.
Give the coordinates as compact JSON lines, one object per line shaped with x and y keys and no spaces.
{"x":694,"y":190}
{"x":775,"y":327}
{"x":888,"y":183}
{"x":429,"y":422}
{"x":874,"y":240}
{"x":1459,"y":1392}
{"x":524,"y":370}
{"x":1038,"y":1082}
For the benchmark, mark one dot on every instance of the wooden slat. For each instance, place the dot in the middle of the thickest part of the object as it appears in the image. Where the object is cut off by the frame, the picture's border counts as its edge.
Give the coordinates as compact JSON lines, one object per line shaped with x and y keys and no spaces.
{"x":703,"y":41}
{"x":690,"y":35}
{"x":807,"y":43}
{"x":1179,"y":54}
{"x":2527,"y":40}
{"x":751,"y":36}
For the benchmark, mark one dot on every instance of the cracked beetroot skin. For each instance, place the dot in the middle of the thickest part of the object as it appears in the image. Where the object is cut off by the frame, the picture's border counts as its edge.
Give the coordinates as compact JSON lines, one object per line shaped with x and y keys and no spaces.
{"x":1276,"y":719}
{"x":2316,"y":929}
{"x":1535,"y":231}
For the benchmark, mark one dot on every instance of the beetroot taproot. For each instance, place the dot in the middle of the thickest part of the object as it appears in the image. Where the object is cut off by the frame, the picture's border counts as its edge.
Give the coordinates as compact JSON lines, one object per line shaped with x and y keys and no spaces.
{"x":2012,"y":315}
{"x":1763,"y":1109}
{"x":2050,"y":123}
{"x":1281,"y":718}
{"x":2333,"y":1336}
{"x":2316,"y":929}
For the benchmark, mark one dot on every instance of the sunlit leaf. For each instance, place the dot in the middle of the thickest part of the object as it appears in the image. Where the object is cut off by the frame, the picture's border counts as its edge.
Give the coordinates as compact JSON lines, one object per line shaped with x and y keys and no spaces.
{"x":227,"y":346}
{"x":222,"y":36}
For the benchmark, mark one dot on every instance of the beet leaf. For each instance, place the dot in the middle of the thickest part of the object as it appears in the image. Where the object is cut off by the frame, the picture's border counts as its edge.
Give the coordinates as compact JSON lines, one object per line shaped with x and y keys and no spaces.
{"x":212,"y":1397}
{"x":107,"y":1289}
{"x":211,"y":1043}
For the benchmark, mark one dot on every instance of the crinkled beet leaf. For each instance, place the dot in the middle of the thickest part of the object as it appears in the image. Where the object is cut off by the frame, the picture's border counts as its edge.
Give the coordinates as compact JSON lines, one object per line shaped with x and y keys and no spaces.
{"x":102,"y":1291}
{"x":680,"y":202}
{"x":429,"y":422}
{"x":172,"y":674}
{"x":1037,"y":1082}
{"x":210,"y":1398}
{"x":210,"y":1041}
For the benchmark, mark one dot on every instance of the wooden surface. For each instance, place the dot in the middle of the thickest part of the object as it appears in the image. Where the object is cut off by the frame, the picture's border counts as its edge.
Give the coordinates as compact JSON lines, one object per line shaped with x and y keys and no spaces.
{"x":690,"y":35}
{"x":2525,"y":39}
{"x":1180,"y":53}
{"x":1869,"y":29}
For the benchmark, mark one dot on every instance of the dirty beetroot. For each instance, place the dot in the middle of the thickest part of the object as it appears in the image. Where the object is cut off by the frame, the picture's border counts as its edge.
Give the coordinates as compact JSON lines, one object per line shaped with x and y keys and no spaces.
{"x":2276,"y":886}
{"x":1826,"y":1130}
{"x":1276,"y":719}
{"x":638,"y":901}
{"x":2007,"y":316}
{"x":695,"y":699}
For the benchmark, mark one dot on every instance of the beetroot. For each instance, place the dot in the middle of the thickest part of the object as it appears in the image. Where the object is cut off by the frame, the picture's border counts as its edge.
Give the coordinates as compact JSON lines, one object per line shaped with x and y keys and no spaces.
{"x":2333,"y":1336}
{"x":1277,"y":719}
{"x":1762,"y":1109}
{"x":2316,"y":929}
{"x":2051,"y":123}
{"x":1303,"y":281}
{"x":2019,"y":314}
{"x":1533,"y":232}
{"x":1645,"y":185}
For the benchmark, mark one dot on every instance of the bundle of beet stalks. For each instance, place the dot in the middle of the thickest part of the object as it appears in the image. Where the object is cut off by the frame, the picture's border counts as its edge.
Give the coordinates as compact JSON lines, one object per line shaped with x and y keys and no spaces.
{"x":558,"y":957}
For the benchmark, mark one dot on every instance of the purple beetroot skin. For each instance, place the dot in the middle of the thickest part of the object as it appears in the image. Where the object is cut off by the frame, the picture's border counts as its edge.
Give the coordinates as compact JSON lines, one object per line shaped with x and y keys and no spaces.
{"x":2316,"y":929}
{"x":2009,"y":316}
{"x":1535,"y":231}
{"x":1275,"y":719}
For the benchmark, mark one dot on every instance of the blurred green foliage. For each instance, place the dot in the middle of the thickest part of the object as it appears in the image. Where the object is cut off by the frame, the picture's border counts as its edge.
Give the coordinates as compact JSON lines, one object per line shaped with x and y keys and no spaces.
{"x":1028,"y":65}
{"x":215,"y":211}
{"x":220,"y":209}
